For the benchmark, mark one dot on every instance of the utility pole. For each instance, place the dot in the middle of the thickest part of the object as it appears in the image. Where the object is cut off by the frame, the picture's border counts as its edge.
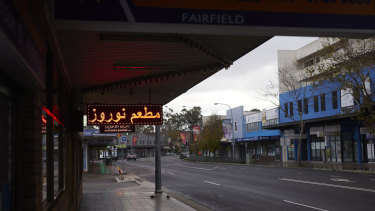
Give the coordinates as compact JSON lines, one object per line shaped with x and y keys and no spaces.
{"x":157,"y":160}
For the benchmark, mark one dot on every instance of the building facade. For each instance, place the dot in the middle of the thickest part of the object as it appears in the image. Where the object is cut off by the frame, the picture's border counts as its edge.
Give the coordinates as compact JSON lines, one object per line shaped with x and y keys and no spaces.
{"x":331,"y":133}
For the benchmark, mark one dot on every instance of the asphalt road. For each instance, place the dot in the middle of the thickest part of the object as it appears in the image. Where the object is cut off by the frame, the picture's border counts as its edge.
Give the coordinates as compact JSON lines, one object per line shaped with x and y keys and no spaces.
{"x":249,"y":187}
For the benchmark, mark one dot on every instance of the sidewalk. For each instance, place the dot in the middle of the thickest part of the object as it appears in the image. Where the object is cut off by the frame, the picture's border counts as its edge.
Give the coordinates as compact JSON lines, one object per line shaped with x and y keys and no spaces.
{"x":101,"y":191}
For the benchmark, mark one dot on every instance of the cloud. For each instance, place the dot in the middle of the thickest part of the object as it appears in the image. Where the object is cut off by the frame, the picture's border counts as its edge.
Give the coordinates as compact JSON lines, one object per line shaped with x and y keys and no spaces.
{"x":243,"y":82}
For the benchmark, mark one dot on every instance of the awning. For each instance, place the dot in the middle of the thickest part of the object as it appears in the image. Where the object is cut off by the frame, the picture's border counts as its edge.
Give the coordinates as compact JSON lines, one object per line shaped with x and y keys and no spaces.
{"x":258,"y":138}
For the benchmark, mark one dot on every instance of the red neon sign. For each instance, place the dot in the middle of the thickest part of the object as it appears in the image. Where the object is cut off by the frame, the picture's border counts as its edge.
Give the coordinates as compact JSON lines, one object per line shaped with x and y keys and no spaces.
{"x":52,"y":115}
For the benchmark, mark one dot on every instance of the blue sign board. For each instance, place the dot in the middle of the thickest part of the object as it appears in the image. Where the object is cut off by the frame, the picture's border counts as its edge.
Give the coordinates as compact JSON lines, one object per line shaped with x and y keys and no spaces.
{"x":123,"y":138}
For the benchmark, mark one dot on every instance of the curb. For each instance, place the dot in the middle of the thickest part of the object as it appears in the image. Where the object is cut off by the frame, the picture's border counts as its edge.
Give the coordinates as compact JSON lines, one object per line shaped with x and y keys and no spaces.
{"x":186,"y":201}
{"x":175,"y":195}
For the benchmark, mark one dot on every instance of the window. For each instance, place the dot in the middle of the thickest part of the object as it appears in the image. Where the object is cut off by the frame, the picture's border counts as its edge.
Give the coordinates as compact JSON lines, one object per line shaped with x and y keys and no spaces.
{"x":235,"y":126}
{"x":306,"y":105}
{"x":291,"y":109}
{"x":309,"y":63}
{"x":286,"y":109}
{"x":316,"y":103}
{"x":271,"y":122}
{"x":299,"y":106}
{"x":322,"y":102}
{"x":317,"y":148}
{"x":251,"y":127}
{"x":334,"y":100}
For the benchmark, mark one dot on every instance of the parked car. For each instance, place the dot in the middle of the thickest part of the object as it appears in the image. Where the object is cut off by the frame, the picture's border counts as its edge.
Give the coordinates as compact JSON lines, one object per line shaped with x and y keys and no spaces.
{"x":131,"y":156}
{"x":170,"y":154}
{"x":183,"y":155}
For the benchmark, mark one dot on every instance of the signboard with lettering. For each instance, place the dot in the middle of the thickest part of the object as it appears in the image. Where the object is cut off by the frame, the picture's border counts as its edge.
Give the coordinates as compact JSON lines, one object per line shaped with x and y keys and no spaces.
{"x":254,"y":118}
{"x":355,"y":14}
{"x":108,"y":114}
{"x":117,"y":129}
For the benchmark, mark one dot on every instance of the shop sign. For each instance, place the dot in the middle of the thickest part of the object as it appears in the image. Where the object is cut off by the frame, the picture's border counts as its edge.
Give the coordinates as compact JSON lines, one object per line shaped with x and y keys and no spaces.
{"x":276,"y":13}
{"x":117,"y":128}
{"x":125,"y":114}
{"x":316,"y":130}
{"x":254,"y":118}
{"x":90,"y":132}
{"x":347,"y":98}
{"x":289,"y":132}
{"x":272,"y":114}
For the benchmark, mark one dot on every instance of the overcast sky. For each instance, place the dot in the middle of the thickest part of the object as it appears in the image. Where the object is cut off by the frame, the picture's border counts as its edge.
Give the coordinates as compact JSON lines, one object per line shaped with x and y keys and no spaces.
{"x":242,"y":83}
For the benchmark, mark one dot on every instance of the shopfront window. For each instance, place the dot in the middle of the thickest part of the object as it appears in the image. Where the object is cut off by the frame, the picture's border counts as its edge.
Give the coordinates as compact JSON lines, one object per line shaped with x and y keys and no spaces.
{"x":53,"y":144}
{"x":348,"y":146}
{"x":291,"y":152}
{"x":333,"y":149}
{"x":58,"y":157}
{"x":317,"y":148}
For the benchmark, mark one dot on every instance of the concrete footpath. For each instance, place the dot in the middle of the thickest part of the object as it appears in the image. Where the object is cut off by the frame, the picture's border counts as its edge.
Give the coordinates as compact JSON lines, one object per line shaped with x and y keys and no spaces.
{"x":102,"y":191}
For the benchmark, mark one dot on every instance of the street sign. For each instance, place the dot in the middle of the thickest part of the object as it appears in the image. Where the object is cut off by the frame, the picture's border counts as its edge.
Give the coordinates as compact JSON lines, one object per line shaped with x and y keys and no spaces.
{"x":123,"y":138}
{"x":121,"y":146}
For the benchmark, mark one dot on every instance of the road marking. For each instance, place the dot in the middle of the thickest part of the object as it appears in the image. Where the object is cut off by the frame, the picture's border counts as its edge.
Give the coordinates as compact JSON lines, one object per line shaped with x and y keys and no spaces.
{"x":193,"y":167}
{"x":211,"y":183}
{"x":315,"y":208}
{"x":341,"y":180}
{"x":328,"y":185}
{"x":171,"y":173}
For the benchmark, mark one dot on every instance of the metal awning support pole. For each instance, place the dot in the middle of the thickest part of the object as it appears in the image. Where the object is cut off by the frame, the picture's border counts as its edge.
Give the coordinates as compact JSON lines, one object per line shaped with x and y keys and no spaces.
{"x":157,"y":160}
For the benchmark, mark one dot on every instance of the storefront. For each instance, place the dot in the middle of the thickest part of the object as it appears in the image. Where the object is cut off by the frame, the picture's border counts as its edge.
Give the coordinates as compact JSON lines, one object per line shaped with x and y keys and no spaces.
{"x":7,"y":142}
{"x":368,"y":144}
{"x":289,"y":145}
{"x":261,"y":148}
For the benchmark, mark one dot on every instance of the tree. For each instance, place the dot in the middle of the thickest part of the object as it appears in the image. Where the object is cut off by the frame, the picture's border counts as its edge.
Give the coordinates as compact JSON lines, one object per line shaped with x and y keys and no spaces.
{"x":192,"y":117}
{"x":211,"y":135}
{"x":173,"y":124}
{"x":293,"y":91}
{"x":351,"y":64}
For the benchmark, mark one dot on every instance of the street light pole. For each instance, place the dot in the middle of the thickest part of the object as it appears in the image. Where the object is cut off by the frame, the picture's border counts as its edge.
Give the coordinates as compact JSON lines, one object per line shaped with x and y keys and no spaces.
{"x":231,"y":120}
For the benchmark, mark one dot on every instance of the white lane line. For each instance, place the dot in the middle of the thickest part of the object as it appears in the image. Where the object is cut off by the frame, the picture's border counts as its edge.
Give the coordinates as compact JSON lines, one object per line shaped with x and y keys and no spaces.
{"x":192,"y":167}
{"x":211,"y":183}
{"x":315,"y":208}
{"x":341,"y":180}
{"x":328,"y":185}
{"x":171,"y":173}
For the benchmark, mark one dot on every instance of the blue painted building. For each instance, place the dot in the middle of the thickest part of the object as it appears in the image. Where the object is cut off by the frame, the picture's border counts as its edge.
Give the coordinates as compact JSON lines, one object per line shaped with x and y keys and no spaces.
{"x":256,"y":143}
{"x":331,"y":132}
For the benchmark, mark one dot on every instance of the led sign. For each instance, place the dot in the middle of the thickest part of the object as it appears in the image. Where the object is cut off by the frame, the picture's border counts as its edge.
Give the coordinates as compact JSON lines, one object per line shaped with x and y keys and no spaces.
{"x":124,"y":114}
{"x":117,"y":129}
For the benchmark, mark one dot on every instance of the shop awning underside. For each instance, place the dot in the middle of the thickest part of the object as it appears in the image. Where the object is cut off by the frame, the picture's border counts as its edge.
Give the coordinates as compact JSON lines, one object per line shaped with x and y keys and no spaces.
{"x":135,"y":68}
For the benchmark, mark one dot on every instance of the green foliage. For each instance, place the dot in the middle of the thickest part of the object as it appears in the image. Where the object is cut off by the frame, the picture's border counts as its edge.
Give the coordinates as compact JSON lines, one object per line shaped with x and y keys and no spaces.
{"x":211,"y":135}
{"x":175,"y":123}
